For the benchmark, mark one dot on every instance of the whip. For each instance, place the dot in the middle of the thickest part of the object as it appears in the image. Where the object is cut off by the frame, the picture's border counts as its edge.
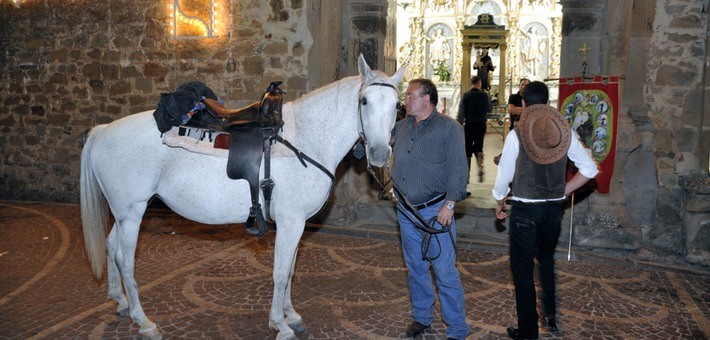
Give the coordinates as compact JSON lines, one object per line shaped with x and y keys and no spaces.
{"x":571,"y":228}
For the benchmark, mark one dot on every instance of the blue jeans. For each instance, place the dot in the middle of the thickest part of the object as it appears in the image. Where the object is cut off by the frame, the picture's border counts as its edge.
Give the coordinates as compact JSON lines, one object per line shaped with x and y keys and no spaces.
{"x":534,"y":230}
{"x":421,"y":291}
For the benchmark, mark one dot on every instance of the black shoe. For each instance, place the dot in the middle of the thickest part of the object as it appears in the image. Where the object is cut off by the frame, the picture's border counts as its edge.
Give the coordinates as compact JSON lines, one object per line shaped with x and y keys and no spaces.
{"x":514,"y":333}
{"x":551,"y":324}
{"x":480,"y":176}
{"x":415,"y":329}
{"x":468,"y":193}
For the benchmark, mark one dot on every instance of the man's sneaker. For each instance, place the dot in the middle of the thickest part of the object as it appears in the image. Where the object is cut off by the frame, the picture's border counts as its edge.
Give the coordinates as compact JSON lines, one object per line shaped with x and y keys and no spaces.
{"x":514,"y":334}
{"x":415,"y":329}
{"x":551,"y":324}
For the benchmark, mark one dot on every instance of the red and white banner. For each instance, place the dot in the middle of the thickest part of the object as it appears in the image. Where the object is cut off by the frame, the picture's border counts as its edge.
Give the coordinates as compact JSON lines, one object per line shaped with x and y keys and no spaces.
{"x":592,"y":107}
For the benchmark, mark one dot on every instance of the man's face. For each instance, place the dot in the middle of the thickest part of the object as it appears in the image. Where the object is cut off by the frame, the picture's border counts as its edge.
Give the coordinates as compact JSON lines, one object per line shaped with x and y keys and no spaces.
{"x":414,"y":101}
{"x":523,"y":84}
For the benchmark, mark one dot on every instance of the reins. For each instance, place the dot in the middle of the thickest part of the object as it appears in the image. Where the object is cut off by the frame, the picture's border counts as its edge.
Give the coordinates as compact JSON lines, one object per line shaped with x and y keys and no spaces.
{"x":413,"y":214}
{"x":303,"y":158}
{"x":408,"y":208}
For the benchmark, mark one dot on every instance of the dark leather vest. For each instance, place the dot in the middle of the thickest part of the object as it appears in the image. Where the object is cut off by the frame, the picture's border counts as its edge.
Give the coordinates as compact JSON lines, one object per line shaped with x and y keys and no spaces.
{"x":538,"y":181}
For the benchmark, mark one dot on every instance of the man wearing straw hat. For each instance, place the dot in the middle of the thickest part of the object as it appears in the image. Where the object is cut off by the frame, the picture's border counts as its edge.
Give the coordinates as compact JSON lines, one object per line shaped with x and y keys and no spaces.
{"x":534,"y":161}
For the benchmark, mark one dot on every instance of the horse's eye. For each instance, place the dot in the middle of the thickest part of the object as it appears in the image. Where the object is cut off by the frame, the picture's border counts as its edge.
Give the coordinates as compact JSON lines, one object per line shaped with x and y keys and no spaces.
{"x":399,"y":105}
{"x":363,"y":101}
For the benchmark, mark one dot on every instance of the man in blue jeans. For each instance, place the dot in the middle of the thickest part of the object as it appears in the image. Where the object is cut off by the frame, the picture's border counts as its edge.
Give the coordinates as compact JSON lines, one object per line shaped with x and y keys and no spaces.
{"x":431,"y":170}
{"x":534,"y":160}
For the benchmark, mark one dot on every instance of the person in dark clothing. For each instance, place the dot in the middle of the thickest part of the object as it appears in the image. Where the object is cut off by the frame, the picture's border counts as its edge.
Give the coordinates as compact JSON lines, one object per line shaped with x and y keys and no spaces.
{"x":534,"y":161}
{"x":484,"y":65}
{"x":473,"y":110}
{"x":515,"y":103}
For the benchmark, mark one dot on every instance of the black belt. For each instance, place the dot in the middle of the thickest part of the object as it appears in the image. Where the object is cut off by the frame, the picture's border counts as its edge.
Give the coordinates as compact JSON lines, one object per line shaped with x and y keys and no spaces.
{"x":431,"y":202}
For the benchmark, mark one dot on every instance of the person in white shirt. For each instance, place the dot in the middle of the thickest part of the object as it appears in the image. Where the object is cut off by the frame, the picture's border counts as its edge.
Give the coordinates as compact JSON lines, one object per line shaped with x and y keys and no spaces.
{"x":534,"y":162}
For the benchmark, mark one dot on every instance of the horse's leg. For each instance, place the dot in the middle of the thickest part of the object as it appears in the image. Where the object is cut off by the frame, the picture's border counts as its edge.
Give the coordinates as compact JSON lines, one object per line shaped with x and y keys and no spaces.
{"x":287,"y":238}
{"x":115,"y":288}
{"x":127,"y":227}
{"x":293,"y":319}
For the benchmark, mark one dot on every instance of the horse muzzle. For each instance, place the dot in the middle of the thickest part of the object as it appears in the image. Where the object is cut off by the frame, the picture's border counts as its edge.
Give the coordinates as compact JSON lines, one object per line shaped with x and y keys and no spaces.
{"x":378,"y":155}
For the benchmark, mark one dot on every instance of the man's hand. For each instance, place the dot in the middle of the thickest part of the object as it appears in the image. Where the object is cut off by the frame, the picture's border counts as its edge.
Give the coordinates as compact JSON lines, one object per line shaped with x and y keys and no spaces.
{"x":496,"y":159}
{"x":445,"y":215}
{"x":500,"y":210}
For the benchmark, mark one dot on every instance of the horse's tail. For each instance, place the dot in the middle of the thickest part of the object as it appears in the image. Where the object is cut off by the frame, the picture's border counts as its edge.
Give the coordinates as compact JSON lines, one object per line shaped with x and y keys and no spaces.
{"x":94,"y":208}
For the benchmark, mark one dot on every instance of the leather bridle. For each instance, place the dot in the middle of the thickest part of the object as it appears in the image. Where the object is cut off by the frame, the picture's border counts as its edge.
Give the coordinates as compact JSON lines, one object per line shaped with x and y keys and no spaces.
{"x":363,"y":101}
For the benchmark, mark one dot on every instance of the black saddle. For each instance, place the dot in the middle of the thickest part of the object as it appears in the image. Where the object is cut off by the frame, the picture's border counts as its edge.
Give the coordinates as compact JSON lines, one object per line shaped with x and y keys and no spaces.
{"x":251,"y":133}
{"x":251,"y":130}
{"x":265,"y":112}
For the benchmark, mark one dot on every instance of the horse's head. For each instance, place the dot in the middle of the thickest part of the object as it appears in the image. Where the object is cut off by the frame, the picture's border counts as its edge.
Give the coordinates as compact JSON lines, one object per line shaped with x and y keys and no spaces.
{"x":377,"y":110}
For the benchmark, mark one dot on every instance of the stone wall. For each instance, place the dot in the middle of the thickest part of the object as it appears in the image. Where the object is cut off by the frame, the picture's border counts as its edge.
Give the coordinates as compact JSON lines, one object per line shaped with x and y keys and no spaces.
{"x":66,"y":67}
{"x":674,"y":92}
{"x":660,"y":48}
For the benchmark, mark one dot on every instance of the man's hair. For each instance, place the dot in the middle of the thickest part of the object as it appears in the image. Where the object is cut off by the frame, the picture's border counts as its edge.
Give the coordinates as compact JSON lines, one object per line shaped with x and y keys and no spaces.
{"x":475,"y":79}
{"x":536,"y":93}
{"x":523,"y":79}
{"x":427,"y":87}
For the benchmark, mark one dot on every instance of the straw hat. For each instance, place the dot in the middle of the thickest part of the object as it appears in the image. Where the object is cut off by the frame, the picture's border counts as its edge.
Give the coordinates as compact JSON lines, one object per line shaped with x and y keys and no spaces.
{"x":544,"y":133}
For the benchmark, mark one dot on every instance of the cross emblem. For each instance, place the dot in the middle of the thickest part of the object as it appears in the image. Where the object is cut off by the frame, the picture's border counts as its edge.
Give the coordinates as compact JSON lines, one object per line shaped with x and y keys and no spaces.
{"x":584,"y":50}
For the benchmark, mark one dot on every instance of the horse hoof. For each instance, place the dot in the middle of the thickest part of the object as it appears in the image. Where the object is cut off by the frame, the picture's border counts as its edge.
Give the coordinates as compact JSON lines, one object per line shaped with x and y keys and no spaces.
{"x":289,"y":336}
{"x":123,"y":312}
{"x":150,"y":333}
{"x":273,"y":330}
{"x":298,"y":328}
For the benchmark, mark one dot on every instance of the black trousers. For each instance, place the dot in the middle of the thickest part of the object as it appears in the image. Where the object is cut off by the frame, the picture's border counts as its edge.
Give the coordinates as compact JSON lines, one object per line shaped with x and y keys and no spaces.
{"x":534,"y":230}
{"x":474,"y":134}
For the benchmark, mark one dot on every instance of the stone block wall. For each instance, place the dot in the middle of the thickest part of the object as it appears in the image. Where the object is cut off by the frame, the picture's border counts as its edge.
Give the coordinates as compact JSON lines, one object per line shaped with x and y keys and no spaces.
{"x":661,"y":49}
{"x":696,"y":219}
{"x":674,"y":91}
{"x":674,"y":88}
{"x":68,"y":66}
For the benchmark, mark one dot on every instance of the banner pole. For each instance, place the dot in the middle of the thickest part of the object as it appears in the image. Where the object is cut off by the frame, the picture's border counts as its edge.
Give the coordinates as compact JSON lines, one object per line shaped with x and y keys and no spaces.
{"x":571,"y":228}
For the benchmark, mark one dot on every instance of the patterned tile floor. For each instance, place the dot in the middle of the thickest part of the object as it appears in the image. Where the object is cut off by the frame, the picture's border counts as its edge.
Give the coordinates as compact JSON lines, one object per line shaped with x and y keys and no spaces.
{"x":201,"y":281}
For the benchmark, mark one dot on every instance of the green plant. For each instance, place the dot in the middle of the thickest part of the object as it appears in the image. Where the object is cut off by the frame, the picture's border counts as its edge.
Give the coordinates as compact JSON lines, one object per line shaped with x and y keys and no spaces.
{"x":443,"y":72}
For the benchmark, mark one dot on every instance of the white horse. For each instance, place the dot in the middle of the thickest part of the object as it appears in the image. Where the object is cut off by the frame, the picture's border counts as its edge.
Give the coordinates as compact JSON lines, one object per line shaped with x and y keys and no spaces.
{"x":125,"y":164}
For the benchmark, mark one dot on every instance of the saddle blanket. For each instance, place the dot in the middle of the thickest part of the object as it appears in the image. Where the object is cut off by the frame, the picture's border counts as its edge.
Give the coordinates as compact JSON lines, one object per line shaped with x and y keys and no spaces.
{"x":194,"y":140}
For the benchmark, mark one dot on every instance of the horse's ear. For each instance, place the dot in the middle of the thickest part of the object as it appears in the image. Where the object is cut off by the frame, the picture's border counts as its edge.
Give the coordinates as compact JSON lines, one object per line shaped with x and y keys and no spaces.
{"x":399,"y":75}
{"x":363,"y":68}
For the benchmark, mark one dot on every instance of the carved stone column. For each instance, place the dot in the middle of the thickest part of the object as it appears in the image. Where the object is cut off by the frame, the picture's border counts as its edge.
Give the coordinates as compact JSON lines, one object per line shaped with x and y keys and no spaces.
{"x":556,"y":46}
{"x":417,"y":68}
{"x":466,"y":66}
{"x":367,"y":33}
{"x":513,"y":53}
{"x":456,"y":68}
{"x":390,"y":50}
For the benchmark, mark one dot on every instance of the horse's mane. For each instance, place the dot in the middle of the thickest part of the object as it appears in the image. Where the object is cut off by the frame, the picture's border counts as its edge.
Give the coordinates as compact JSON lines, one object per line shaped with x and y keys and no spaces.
{"x":319,"y":98}
{"x":325,"y":88}
{"x":378,"y":76}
